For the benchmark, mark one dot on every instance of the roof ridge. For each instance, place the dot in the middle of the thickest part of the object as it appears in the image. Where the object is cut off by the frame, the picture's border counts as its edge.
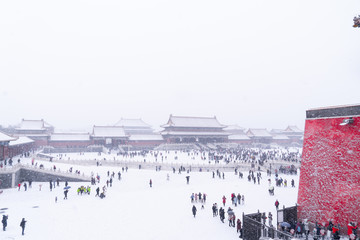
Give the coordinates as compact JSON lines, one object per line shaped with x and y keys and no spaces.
{"x":193,"y":117}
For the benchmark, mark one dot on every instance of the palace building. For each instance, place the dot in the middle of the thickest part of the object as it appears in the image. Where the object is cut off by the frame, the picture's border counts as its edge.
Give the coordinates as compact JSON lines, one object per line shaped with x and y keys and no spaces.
{"x":140,"y":133}
{"x":37,"y":130}
{"x":20,"y":146}
{"x":4,"y":145}
{"x":181,"y":129}
{"x":110,"y":136}
{"x":70,"y":140}
{"x":259,"y":135}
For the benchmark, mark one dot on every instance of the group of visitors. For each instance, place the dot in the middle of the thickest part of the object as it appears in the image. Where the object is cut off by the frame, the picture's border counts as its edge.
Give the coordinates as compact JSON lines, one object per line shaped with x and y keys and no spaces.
{"x":4,"y":222}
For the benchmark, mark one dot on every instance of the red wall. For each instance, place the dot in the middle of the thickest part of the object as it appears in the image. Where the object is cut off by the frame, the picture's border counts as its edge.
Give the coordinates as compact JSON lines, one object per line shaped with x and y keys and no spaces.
{"x":146,"y":143}
{"x":65,"y":144}
{"x":330,"y":171}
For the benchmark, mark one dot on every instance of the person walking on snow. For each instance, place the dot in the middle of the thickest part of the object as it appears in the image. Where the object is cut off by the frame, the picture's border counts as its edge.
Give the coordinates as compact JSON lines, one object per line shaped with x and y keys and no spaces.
{"x":277,"y":204}
{"x":238,"y":226}
{"x":194,"y":210}
{"x":4,"y":221}
{"x":150,"y":183}
{"x":224,"y":200}
{"x":222,"y":214}
{"x":65,"y":194}
{"x":22,"y":225}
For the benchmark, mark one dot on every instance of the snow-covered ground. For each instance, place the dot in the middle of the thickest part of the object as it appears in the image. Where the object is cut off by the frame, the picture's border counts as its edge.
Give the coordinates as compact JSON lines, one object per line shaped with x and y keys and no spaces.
{"x":133,"y":210}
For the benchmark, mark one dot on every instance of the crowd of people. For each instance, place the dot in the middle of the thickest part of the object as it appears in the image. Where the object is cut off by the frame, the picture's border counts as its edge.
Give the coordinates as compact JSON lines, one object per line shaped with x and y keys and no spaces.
{"x":320,"y":231}
{"x":232,"y":155}
{"x":230,"y":212}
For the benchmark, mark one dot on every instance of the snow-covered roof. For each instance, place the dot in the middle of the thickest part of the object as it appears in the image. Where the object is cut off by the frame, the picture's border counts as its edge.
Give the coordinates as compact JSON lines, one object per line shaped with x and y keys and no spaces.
{"x":238,"y":137}
{"x":293,"y":129}
{"x":234,"y":127}
{"x":258,"y":132}
{"x":31,"y":135}
{"x":33,"y":125}
{"x":70,"y":137}
{"x":150,"y":137}
{"x":47,"y":125}
{"x":132,"y":123}
{"x":203,"y":122}
{"x":5,"y":138}
{"x":280,"y":137}
{"x":276,"y":131}
{"x":108,"y":131}
{"x":21,"y":140}
{"x":181,"y":133}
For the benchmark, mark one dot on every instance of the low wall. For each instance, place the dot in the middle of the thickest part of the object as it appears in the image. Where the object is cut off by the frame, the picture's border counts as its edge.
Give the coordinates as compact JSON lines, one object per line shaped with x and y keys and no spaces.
{"x":230,"y":167}
{"x":11,"y":177}
{"x":5,"y":180}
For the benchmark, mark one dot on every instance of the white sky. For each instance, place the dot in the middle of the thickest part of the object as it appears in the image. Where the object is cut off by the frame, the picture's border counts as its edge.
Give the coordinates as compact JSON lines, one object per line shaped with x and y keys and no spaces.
{"x":255,"y":63}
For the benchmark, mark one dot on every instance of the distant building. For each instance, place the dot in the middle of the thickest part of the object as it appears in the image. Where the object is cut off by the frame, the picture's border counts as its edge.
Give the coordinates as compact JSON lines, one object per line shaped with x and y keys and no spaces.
{"x":70,"y":140}
{"x":294,"y":134}
{"x":281,"y":139}
{"x":21,"y":145}
{"x":140,"y":133}
{"x":259,"y":135}
{"x":237,"y":135}
{"x":235,"y":130}
{"x":181,"y":129}
{"x":4,"y":146}
{"x":37,"y":130}
{"x":289,"y":135}
{"x":276,"y":132}
{"x":134,"y":126}
{"x":146,"y":140}
{"x":110,"y":136}
{"x":240,"y":139}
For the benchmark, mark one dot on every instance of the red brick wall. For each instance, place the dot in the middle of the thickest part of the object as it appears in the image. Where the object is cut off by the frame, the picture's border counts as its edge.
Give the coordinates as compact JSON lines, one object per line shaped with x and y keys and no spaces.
{"x":330,"y":171}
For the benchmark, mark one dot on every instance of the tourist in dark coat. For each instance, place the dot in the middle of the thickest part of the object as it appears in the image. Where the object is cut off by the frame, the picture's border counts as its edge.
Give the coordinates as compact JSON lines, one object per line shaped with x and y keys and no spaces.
{"x":65,"y":193}
{"x":222,"y":214}
{"x":238,"y":226}
{"x":277,"y":204}
{"x":194,"y":210}
{"x":4,"y":221}
{"x":22,"y":225}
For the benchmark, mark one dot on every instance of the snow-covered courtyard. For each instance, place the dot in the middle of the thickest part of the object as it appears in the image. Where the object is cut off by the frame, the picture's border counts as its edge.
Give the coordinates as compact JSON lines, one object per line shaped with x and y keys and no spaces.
{"x":134,"y":210}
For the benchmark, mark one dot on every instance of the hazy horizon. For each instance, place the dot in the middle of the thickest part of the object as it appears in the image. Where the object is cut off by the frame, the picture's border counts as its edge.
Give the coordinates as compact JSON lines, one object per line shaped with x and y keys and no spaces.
{"x":256,"y":64}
